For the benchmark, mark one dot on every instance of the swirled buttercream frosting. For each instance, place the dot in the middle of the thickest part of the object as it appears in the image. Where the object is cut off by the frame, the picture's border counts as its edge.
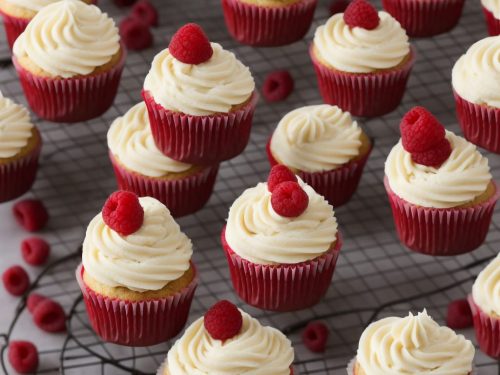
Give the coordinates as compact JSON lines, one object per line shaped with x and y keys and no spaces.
{"x":15,"y":127}
{"x":486,"y":288}
{"x":33,"y":5}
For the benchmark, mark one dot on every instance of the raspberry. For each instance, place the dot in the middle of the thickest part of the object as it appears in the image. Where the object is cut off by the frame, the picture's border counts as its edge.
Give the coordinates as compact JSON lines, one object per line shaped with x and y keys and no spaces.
{"x":223,"y":320}
{"x":135,"y":33}
{"x":33,"y":301}
{"x":279,"y":173}
{"x":23,"y":357}
{"x":35,"y":251}
{"x":360,"y":13}
{"x":289,"y":199}
{"x":31,"y":214}
{"x":146,"y":11}
{"x":420,"y":130}
{"x":190,"y":45}
{"x":49,"y":316}
{"x":124,"y":3}
{"x":277,"y":86}
{"x":16,"y":280}
{"x":459,"y":314}
{"x":435,"y":156}
{"x":315,"y":337}
{"x":123,"y":212}
{"x":338,"y":6}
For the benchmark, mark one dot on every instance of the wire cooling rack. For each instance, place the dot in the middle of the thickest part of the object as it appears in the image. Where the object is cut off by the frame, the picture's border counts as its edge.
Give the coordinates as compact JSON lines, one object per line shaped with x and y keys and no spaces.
{"x":375,"y":276}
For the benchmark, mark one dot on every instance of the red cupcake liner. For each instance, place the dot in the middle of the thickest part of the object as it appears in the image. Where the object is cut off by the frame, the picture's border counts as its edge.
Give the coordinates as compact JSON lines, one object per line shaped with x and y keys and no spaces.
{"x":492,"y":22}
{"x":367,"y":95}
{"x":423,"y":18}
{"x":182,"y":197}
{"x":142,"y":323}
{"x":285,"y":287}
{"x":351,"y":368}
{"x":17,"y":176}
{"x":268,"y":26}
{"x":14,"y":26}
{"x":71,"y":99}
{"x":480,"y":124}
{"x":487,"y":330}
{"x":441,"y":231}
{"x":200,"y":140}
{"x":161,"y":370}
{"x":337,"y":185}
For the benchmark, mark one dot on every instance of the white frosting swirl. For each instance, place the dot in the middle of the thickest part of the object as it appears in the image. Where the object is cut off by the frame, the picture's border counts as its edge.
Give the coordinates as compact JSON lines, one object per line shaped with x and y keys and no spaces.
{"x":33,"y":5}
{"x":69,"y":38}
{"x":476,"y":75}
{"x":493,"y":6}
{"x":256,"y":350}
{"x":15,"y":127}
{"x":146,"y":260}
{"x":131,"y":141}
{"x":316,"y":138}
{"x":414,"y":345}
{"x":459,"y":180}
{"x":358,"y":50}
{"x":214,"y":86}
{"x":258,"y":234}
{"x":486,"y":288}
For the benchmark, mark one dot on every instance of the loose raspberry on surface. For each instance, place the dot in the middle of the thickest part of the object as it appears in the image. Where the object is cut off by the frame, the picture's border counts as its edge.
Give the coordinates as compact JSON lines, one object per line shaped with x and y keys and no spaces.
{"x":146,"y":11}
{"x":277,"y":86}
{"x":288,"y":199}
{"x":31,"y":214}
{"x":190,"y":45}
{"x":360,"y":13}
{"x":16,"y":280}
{"x":123,"y":212}
{"x":279,"y":173}
{"x":435,"y":156}
{"x":23,"y":357}
{"x":35,"y":251}
{"x":459,"y":314}
{"x":223,"y":320}
{"x":33,"y":301}
{"x":135,"y":33}
{"x":49,"y":316}
{"x":315,"y":336}
{"x":338,"y":6}
{"x":420,"y":130}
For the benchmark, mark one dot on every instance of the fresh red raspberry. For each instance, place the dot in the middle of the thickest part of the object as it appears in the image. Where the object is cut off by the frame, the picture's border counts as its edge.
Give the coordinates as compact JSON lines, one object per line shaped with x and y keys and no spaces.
{"x":289,"y":199}
{"x":16,"y":280}
{"x":277,"y":86}
{"x":124,"y":3}
{"x":360,"y":13}
{"x":123,"y":212}
{"x":35,"y":251}
{"x":459,"y":314}
{"x":49,"y":316}
{"x":338,"y":6}
{"x":315,"y":336}
{"x":146,"y":11}
{"x":135,"y":33}
{"x":420,"y":130}
{"x":435,"y":156}
{"x":190,"y":45}
{"x":279,"y":173}
{"x":33,"y":301}
{"x":23,"y":357}
{"x":223,"y":320}
{"x":31,"y":214}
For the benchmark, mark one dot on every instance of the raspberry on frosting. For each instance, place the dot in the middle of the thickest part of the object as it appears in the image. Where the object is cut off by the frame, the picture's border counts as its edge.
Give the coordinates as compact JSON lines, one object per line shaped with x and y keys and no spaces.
{"x":360,"y":13}
{"x":279,"y":173}
{"x":190,"y":45}
{"x":223,"y":320}
{"x":288,"y":199}
{"x":123,"y":212}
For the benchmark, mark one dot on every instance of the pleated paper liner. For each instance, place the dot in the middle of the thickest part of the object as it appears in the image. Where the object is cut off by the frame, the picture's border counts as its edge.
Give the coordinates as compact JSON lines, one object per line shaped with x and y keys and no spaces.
{"x":492,"y":23}
{"x":162,"y":369}
{"x":14,"y":26}
{"x":487,"y":330}
{"x":351,"y":368}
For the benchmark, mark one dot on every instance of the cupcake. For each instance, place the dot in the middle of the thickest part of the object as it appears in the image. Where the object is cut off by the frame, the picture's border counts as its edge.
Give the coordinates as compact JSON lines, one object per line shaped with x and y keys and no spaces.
{"x":268,"y":23}
{"x":325,"y":147}
{"x":140,"y":167}
{"x":282,"y":243}
{"x":69,"y":61}
{"x":476,"y":87}
{"x":485,"y":305}
{"x":440,"y":188}
{"x":414,"y":345}
{"x":229,"y":341}
{"x":20,"y":144}
{"x":491,"y":10}
{"x":136,"y":276}
{"x":362,"y":60}
{"x":424,"y":18}
{"x":200,"y":100}
{"x":18,"y":13}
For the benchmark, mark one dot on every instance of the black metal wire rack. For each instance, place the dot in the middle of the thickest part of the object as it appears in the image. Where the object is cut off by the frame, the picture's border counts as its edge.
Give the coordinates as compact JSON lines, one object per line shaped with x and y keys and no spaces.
{"x":375,"y":277}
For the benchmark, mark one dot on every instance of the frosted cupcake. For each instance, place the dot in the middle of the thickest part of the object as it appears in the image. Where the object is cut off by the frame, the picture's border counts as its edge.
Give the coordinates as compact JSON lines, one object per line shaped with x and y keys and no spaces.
{"x":140,"y":167}
{"x":476,"y":86}
{"x":136,"y":277}
{"x":440,"y":188}
{"x":268,"y":22}
{"x":20,"y":145}
{"x":69,"y":61}
{"x":325,"y":147}
{"x":229,"y":341}
{"x":491,"y":10}
{"x":415,"y":345}
{"x":485,"y":305}
{"x":282,"y":243}
{"x":200,"y":100}
{"x":362,"y":59}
